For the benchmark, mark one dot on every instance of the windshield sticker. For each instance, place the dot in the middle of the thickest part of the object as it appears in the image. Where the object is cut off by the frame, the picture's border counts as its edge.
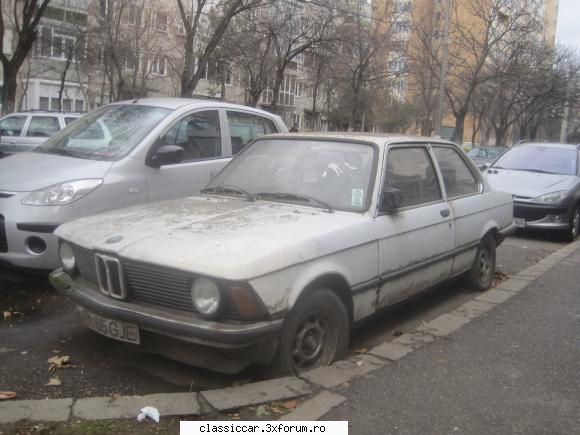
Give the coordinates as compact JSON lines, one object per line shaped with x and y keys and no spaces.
{"x":356,"y":199}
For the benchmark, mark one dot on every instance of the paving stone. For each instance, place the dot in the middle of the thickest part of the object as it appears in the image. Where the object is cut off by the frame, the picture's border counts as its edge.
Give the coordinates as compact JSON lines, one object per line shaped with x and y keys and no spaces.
{"x":415,"y":339}
{"x":256,"y":393}
{"x":35,"y":410}
{"x":343,"y":371}
{"x":103,"y":408}
{"x":473,"y":309}
{"x":444,"y":325}
{"x":513,"y":285}
{"x":315,"y":408}
{"x":495,"y":296}
{"x":391,"y":351}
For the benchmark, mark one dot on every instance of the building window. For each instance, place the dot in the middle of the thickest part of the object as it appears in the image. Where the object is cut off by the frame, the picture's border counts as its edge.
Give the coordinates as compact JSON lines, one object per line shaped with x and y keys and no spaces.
{"x":285,"y":95}
{"x":79,"y":105}
{"x":43,"y":103}
{"x":180,"y":25}
{"x":57,"y":44}
{"x":158,"y":66}
{"x":161,"y":19}
{"x":135,"y":14}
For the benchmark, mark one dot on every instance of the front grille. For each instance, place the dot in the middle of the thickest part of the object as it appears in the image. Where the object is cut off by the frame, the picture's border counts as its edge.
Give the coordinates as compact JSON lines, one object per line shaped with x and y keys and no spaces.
{"x":150,"y":284}
{"x":3,"y":240}
{"x":534,"y":213}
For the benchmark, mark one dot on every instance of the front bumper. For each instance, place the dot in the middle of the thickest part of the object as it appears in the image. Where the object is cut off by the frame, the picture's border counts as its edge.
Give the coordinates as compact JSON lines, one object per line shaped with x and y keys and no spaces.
{"x":189,"y":328}
{"x":541,"y":216}
{"x":20,"y":223}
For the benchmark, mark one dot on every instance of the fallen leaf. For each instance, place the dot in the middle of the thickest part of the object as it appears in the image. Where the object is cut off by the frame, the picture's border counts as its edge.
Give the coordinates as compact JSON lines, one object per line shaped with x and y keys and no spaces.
{"x":276,"y":410}
{"x":5,"y":395}
{"x":114,"y":397}
{"x":397,"y":332}
{"x":7,"y":315}
{"x":53,"y":382}
{"x":290,"y":404}
{"x":359,"y":363}
{"x":262,"y":410}
{"x":235,"y":417}
{"x":57,"y":362}
{"x":56,"y":351}
{"x":361,"y":350}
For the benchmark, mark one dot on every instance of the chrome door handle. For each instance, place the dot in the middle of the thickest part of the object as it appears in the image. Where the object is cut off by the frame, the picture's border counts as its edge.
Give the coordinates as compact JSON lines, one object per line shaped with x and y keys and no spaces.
{"x":445,"y":212}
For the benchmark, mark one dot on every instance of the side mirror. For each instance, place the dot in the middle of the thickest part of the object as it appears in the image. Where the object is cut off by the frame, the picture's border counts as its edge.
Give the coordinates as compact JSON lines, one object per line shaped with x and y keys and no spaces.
{"x":391,"y":200}
{"x":485,"y":166}
{"x":166,"y":155}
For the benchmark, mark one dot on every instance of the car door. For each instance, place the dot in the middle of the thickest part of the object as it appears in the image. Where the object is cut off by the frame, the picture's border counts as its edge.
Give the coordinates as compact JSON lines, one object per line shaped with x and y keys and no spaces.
{"x":417,"y":238}
{"x":11,"y":129}
{"x":463,"y":188}
{"x":200,"y":134}
{"x":40,"y":128}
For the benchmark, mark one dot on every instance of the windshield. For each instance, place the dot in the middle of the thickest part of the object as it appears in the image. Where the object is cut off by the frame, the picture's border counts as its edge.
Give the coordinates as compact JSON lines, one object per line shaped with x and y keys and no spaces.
{"x":107,"y":133}
{"x":486,"y":153}
{"x":539,"y":159}
{"x":324,"y":174}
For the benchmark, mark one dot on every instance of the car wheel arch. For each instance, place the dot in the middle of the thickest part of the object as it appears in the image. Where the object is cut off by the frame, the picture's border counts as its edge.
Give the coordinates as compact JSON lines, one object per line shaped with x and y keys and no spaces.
{"x":335,"y":282}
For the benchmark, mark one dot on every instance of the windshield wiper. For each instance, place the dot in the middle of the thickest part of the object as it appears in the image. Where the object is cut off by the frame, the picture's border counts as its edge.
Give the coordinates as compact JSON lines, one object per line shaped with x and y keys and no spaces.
{"x":294,"y":197}
{"x":228,"y":188}
{"x":540,"y":171}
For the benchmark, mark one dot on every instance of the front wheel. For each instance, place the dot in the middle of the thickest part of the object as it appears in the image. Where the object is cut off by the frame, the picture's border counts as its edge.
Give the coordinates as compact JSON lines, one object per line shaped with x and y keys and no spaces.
{"x":480,"y":276}
{"x":315,"y":333}
{"x":574,"y":228}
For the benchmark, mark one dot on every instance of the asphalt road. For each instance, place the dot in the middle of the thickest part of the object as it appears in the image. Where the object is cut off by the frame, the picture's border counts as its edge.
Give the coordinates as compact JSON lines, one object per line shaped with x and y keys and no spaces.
{"x":41,"y":326}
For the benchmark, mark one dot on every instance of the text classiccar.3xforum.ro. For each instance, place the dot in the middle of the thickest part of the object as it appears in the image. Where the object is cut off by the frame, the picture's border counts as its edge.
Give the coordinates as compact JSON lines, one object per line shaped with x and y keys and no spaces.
{"x":289,"y":427}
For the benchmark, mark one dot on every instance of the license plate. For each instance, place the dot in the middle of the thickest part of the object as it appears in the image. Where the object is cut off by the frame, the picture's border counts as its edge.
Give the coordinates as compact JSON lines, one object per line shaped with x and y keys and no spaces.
{"x":117,"y":329}
{"x":520,"y":222}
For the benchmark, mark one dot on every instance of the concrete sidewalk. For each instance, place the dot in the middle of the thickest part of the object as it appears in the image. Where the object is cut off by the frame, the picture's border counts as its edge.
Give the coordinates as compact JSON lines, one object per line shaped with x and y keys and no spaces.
{"x":504,"y":362}
{"x":514,"y":369}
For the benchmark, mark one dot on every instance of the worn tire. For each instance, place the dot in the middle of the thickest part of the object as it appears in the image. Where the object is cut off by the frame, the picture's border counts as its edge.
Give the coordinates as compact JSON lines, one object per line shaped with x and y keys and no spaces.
{"x":315,"y":334}
{"x":574,"y":229}
{"x":480,"y":276}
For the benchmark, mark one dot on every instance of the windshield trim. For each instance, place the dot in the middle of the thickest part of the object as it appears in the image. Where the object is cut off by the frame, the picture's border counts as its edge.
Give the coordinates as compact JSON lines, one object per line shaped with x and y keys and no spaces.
{"x":339,"y":140}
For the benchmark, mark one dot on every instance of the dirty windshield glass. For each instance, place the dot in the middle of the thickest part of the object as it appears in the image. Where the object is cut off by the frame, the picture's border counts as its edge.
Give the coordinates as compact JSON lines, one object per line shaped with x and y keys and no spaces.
{"x":539,"y":159}
{"x":108,"y":133}
{"x":323,"y":174}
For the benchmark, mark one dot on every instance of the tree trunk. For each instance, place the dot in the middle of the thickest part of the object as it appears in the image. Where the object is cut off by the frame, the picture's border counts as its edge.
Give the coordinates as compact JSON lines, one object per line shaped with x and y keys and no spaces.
{"x":9,"y":90}
{"x":459,"y":127}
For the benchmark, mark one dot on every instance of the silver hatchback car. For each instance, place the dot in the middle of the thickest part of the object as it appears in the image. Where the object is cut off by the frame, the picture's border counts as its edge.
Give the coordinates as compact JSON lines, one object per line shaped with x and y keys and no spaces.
{"x":24,"y":131}
{"x":119,"y":155}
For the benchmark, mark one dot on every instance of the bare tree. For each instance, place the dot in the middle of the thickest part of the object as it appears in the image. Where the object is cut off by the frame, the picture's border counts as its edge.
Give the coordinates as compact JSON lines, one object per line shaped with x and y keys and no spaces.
{"x":204,"y":24}
{"x":18,"y":23}
{"x":478,"y":30}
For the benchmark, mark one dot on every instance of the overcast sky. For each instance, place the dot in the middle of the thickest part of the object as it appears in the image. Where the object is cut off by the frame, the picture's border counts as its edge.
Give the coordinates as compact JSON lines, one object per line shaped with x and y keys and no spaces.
{"x":568,"y":31}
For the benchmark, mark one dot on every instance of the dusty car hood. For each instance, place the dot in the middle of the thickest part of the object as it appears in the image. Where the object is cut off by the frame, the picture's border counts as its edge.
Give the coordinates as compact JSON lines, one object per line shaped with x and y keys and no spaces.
{"x":227,"y":238}
{"x":528,"y":184}
{"x":28,"y":171}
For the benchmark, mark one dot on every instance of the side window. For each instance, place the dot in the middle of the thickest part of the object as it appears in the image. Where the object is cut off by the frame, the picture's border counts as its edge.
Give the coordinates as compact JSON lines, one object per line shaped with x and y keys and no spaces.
{"x":198,"y":134}
{"x":457,"y":177}
{"x":43,"y":126}
{"x":245,"y":127}
{"x":410,"y":170}
{"x":12,"y":126}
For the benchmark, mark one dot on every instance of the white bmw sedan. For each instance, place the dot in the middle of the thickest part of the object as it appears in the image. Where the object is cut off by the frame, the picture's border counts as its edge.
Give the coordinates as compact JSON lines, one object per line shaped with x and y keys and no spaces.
{"x":296,"y":240}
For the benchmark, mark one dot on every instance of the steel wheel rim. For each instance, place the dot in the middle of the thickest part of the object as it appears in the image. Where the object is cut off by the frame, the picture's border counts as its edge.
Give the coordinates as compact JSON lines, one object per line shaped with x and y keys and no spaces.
{"x":484,"y":265}
{"x":312,"y":341}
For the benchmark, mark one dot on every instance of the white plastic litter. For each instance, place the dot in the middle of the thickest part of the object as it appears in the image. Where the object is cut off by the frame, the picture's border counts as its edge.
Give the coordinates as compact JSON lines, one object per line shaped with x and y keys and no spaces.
{"x":150,"y":412}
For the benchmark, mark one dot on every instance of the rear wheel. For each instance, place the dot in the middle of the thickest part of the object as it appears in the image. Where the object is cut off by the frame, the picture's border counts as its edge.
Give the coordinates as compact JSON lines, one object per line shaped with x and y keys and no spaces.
{"x":574,"y":228}
{"x":315,"y":333}
{"x":480,"y":276}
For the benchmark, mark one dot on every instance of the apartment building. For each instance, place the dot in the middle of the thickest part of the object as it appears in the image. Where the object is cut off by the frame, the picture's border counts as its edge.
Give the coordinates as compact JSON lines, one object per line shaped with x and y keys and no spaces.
{"x":90,"y":52}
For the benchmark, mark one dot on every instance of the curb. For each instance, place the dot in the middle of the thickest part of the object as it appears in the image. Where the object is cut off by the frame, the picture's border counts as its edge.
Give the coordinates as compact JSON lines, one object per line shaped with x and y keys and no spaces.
{"x":315,"y":383}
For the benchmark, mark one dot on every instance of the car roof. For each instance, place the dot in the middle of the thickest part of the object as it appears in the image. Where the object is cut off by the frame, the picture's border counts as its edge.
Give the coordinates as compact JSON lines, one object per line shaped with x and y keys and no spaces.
{"x":175,"y":103}
{"x":44,"y":112}
{"x":549,"y":145}
{"x":377,"y":138}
